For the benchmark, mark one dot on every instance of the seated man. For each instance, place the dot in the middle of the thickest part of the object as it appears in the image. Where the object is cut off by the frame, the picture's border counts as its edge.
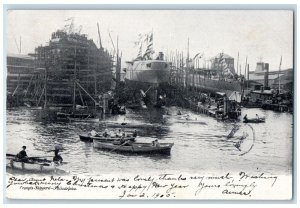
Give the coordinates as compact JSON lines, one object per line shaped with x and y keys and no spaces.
{"x":119,"y":133}
{"x":94,"y":133}
{"x":156,"y":143}
{"x":57,"y":158}
{"x":134,"y":134}
{"x":105,"y":134}
{"x":122,"y":140}
{"x":22,"y":155}
{"x":245,"y":118}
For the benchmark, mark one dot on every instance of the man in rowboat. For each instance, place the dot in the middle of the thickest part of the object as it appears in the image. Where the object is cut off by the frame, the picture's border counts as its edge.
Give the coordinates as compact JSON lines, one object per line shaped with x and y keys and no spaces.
{"x":155,"y":143}
{"x":119,"y":133}
{"x":94,"y":133}
{"x":105,"y":134}
{"x":22,"y":155}
{"x":245,"y":118}
{"x":57,"y":158}
{"x":134,"y":135}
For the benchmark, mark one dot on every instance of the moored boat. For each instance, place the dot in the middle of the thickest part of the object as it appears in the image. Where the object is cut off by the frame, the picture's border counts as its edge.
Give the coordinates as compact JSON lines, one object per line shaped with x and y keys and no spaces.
{"x":135,"y":148}
{"x":129,"y":125}
{"x":255,"y":120}
{"x":34,"y":165}
{"x":88,"y":138}
{"x":85,"y":138}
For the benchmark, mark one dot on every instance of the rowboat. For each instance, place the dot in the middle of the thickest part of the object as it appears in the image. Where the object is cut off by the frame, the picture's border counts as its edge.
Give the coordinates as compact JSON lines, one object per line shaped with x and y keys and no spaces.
{"x":136,"y":147}
{"x":32,"y":165}
{"x":87,"y":138}
{"x":255,"y":120}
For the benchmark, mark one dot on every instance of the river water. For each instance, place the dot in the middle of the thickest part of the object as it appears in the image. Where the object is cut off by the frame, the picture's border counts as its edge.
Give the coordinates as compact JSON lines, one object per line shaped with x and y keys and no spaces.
{"x":200,"y":142}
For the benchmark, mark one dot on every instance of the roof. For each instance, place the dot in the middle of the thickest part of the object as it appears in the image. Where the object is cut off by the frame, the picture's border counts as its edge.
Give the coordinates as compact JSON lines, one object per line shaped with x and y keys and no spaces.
{"x":22,"y":56}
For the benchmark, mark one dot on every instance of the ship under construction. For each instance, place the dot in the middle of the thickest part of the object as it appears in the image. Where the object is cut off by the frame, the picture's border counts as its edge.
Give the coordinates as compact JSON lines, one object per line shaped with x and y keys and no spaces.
{"x":69,"y":72}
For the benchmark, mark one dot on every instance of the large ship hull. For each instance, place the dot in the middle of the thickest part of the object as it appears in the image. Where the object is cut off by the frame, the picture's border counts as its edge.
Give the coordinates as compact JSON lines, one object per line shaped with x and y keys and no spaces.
{"x":150,"y":72}
{"x":148,"y":78}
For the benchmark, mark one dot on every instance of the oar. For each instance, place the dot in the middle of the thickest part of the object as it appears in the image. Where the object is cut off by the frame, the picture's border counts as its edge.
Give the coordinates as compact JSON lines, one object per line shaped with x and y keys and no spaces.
{"x":54,"y":150}
{"x":11,"y":155}
{"x":118,"y":146}
{"x":40,"y":157}
{"x":233,"y":131}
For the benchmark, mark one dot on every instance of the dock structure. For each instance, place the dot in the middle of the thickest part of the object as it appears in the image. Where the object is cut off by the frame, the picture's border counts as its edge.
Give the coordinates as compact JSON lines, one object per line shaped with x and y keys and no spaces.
{"x":220,"y":76}
{"x":191,"y":82}
{"x":70,"y":70}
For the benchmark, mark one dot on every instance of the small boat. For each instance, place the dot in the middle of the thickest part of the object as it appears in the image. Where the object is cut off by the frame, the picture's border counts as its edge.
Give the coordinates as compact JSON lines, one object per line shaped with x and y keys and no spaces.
{"x":61,"y":115}
{"x":135,"y":148}
{"x":255,"y":120}
{"x":88,"y":138}
{"x":33,"y":165}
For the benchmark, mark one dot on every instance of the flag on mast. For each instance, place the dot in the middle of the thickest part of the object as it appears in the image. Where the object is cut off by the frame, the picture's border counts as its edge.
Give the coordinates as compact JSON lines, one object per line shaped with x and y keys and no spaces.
{"x":149,"y":51}
{"x":139,"y":56}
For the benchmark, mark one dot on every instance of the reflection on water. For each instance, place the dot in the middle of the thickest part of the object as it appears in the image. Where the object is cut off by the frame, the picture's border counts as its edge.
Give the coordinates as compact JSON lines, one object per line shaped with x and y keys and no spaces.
{"x":200,"y":142}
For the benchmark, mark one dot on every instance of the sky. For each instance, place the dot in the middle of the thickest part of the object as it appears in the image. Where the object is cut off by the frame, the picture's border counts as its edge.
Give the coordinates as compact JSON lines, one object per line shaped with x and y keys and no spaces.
{"x":261,"y":35}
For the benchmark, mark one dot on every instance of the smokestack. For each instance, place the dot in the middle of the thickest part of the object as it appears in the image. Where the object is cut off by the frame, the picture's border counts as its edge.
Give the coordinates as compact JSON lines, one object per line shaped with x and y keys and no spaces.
{"x":266,"y":69}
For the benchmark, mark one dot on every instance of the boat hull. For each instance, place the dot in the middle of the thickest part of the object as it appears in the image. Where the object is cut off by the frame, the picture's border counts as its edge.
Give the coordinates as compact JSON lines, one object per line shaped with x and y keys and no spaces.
{"x":135,"y":148}
{"x":147,"y":80}
{"x":212,"y":85}
{"x":101,"y":138}
{"x":149,"y":72}
{"x":26,"y":167}
{"x":254,"y":121}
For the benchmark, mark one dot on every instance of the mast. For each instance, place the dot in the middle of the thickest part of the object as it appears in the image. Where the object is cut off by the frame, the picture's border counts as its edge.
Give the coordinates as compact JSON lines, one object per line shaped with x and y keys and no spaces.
{"x":237,"y":64}
{"x":45,"y":88}
{"x":243,"y":89}
{"x":279,"y":74}
{"x":240,"y":69}
{"x":117,"y":63}
{"x":246,"y":67}
{"x":74,"y":87}
{"x":187,"y":62}
{"x":20,"y":45}
{"x":99,"y":36}
{"x":247,"y":75}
